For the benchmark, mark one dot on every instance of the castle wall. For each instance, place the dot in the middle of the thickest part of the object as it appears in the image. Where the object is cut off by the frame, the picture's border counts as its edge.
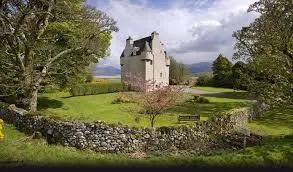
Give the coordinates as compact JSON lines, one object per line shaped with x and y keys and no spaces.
{"x":133,"y":65}
{"x":161,"y":71}
{"x":150,"y":64}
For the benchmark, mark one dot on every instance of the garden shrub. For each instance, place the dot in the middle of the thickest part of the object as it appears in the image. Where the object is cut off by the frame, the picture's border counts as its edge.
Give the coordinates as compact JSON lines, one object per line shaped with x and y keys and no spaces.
{"x":198,"y":99}
{"x":122,"y":99}
{"x":205,"y":80}
{"x":95,"y":88}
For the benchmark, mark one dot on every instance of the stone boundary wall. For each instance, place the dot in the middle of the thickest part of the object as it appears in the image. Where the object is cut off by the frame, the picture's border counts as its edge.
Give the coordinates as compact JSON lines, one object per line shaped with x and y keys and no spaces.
{"x":99,"y":136}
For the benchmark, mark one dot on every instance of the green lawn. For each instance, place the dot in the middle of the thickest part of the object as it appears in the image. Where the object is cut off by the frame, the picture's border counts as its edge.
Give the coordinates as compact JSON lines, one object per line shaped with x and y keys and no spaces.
{"x":98,"y":107}
{"x":277,"y":150}
{"x":215,"y":89}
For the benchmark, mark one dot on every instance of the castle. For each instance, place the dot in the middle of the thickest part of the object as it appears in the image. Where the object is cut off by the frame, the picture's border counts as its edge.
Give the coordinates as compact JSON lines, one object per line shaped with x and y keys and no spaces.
{"x":146,"y":58}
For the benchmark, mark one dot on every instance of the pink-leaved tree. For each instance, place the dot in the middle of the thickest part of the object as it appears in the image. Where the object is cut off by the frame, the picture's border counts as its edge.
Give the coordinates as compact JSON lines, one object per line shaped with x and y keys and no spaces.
{"x":152,"y":100}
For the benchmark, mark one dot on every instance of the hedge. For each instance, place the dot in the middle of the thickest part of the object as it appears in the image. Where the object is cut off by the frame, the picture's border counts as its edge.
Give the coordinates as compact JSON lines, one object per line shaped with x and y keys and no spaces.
{"x":96,"y":88}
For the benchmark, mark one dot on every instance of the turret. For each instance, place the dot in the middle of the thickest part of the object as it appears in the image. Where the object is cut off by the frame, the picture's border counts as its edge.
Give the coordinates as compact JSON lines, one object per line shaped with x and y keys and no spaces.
{"x":147,"y":51}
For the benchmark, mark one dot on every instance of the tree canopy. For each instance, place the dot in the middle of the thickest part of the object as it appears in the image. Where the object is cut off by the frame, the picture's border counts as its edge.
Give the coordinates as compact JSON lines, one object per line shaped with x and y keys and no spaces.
{"x":48,"y":42}
{"x":178,"y":71}
{"x":267,"y":46}
{"x":222,"y":71}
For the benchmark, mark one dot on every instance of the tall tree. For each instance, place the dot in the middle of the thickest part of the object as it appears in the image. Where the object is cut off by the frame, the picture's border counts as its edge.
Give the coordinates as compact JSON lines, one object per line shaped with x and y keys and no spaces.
{"x":178,"y":71}
{"x":222,"y":70}
{"x":48,"y":41}
{"x":267,"y":45}
{"x":239,"y":77}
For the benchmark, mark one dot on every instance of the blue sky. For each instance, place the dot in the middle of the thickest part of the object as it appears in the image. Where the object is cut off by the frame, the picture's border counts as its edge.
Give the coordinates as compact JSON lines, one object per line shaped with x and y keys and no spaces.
{"x":192,"y":30}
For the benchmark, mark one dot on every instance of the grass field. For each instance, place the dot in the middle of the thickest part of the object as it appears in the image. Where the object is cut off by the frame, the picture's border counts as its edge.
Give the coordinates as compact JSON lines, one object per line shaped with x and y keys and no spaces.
{"x":215,"y":89}
{"x":277,"y":150}
{"x":98,"y":107}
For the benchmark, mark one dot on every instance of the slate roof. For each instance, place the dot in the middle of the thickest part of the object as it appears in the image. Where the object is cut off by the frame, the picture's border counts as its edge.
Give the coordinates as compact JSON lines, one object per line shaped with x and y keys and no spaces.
{"x":140,"y":43}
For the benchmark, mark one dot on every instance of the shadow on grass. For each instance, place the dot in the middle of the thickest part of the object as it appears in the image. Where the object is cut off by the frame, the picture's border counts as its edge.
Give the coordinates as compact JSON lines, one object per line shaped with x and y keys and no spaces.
{"x":230,"y":95}
{"x":46,"y":102}
{"x":282,"y":116}
{"x":206,"y":109}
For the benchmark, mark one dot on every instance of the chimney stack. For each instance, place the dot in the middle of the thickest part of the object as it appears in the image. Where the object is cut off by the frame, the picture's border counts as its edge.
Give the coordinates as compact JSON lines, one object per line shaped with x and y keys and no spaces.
{"x":155,"y":34}
{"x":129,"y":41}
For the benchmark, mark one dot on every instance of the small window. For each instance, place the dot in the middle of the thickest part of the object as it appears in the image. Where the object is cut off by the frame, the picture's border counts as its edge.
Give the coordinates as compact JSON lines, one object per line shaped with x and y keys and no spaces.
{"x":151,"y":62}
{"x":161,"y":74}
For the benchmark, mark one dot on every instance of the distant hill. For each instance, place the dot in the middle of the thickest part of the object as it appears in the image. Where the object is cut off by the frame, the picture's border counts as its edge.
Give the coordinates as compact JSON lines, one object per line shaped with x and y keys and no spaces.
{"x":200,"y":67}
{"x":106,"y":71}
{"x":113,"y":71}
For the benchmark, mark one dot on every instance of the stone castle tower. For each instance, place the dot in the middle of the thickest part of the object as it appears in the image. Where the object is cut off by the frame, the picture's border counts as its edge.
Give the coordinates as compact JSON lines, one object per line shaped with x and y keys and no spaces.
{"x":146,"y":58}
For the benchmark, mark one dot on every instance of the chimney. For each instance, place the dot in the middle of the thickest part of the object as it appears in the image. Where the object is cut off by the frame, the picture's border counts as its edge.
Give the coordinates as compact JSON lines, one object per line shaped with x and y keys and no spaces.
{"x":154,"y":34}
{"x":129,"y":41}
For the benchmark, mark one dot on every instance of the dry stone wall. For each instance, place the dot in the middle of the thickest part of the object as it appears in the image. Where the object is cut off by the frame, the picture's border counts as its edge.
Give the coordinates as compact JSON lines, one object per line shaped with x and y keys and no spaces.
{"x":99,"y":136}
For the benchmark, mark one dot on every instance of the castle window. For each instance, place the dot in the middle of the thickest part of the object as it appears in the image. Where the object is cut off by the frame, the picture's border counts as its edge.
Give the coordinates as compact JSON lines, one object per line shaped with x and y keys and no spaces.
{"x":161,"y":74}
{"x":151,"y":62}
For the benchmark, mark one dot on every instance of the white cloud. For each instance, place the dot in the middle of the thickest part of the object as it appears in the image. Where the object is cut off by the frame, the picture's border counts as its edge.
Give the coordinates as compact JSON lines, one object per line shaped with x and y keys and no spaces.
{"x":193,"y":30}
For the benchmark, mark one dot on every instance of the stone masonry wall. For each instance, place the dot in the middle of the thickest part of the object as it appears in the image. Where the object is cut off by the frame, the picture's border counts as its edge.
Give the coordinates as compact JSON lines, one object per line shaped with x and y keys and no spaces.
{"x":100,"y":136}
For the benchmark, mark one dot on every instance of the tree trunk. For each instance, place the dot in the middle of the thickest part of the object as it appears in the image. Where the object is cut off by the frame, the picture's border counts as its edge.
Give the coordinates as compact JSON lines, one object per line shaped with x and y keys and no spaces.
{"x":152,"y":119}
{"x":33,"y":102}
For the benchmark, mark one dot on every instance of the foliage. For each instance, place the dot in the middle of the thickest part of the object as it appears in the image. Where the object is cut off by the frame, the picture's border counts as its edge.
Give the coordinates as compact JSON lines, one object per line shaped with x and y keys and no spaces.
{"x":1,"y":128}
{"x":177,"y":72}
{"x":95,"y":88}
{"x":222,"y":71}
{"x":49,"y":42}
{"x":153,"y":101}
{"x":123,"y":98}
{"x":198,"y":99}
{"x":238,"y":73}
{"x":204,"y":80}
{"x":267,"y":46}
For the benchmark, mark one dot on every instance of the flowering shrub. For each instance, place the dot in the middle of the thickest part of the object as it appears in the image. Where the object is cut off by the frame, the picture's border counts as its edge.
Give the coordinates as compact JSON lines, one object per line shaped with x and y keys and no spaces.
{"x":152,"y":100}
{"x":1,"y":127}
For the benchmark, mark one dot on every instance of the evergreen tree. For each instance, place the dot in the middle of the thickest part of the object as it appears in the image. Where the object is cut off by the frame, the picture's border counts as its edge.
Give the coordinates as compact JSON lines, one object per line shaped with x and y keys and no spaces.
{"x":222,"y":72}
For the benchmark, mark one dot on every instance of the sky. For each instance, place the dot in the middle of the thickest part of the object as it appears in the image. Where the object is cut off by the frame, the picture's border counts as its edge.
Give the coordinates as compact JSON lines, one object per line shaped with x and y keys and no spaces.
{"x":192,"y":30}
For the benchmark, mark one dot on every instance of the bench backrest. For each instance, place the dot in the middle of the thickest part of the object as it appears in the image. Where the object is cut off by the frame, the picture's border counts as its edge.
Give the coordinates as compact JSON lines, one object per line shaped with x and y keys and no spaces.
{"x":189,"y":118}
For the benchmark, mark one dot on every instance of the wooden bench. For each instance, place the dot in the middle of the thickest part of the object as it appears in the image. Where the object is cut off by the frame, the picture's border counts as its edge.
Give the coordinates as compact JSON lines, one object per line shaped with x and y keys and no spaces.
{"x":188,"y":118}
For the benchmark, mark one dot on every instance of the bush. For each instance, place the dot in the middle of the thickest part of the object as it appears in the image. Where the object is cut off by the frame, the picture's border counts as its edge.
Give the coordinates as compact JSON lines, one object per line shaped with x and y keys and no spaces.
{"x":204,"y":80}
{"x":123,"y":98}
{"x":96,"y":88}
{"x":198,"y":99}
{"x":203,"y":100}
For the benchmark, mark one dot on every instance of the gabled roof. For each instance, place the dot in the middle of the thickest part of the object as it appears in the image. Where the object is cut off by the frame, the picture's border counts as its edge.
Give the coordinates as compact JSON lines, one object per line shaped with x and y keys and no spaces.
{"x":140,"y":43}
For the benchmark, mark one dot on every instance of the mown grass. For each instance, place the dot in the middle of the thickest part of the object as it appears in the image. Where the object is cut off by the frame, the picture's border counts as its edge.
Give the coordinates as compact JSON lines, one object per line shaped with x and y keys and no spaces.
{"x":216,"y":89}
{"x":276,"y":151}
{"x":90,"y":108}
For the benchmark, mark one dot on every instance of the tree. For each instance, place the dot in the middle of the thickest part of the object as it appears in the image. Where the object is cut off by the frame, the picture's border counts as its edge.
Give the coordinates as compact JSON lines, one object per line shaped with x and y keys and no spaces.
{"x":178,"y":71}
{"x":48,"y":42}
{"x":239,"y":77}
{"x":205,"y":79}
{"x":222,"y":71}
{"x":267,"y":46}
{"x":152,"y":101}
